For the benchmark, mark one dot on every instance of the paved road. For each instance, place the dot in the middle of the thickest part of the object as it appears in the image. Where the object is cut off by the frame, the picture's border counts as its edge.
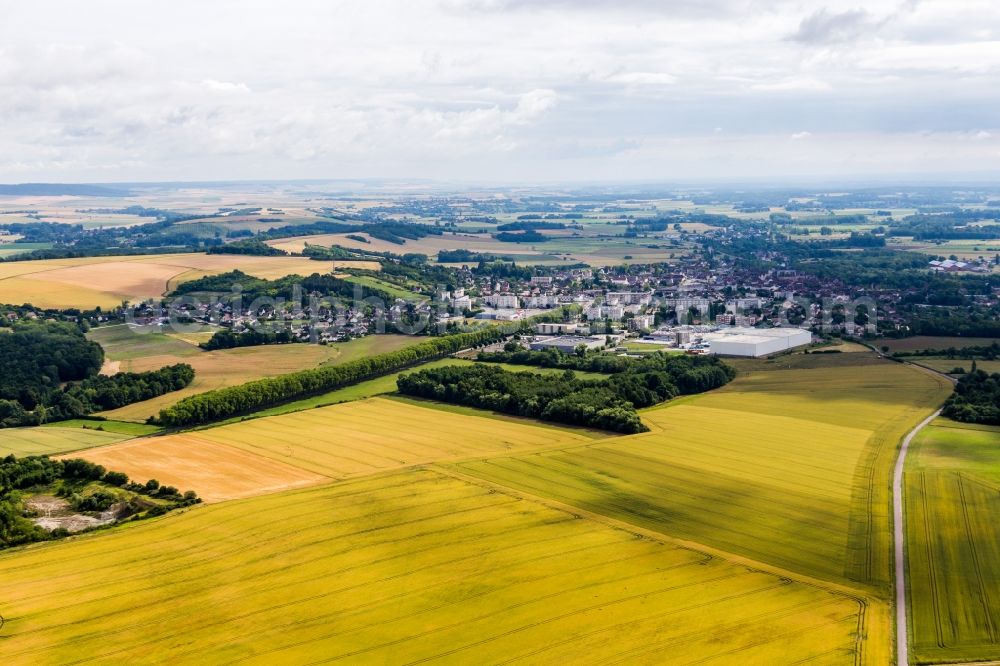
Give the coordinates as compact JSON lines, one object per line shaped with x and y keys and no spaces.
{"x":902,"y":635}
{"x":898,"y":535}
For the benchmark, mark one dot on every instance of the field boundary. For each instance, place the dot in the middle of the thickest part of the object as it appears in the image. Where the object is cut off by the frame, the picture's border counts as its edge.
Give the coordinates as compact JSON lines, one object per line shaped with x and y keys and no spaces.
{"x":899,"y":550}
{"x":860,"y":595}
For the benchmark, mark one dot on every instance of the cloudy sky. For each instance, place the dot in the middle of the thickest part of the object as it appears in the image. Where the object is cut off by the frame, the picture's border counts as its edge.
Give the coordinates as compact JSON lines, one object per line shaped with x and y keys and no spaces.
{"x":499,"y":90}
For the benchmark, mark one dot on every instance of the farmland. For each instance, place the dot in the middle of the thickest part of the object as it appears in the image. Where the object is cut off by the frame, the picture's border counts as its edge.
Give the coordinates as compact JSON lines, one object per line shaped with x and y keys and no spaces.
{"x":346,"y":440}
{"x":587,"y":246}
{"x":406,"y":567}
{"x":919,"y":342}
{"x":728,"y":469}
{"x":942,"y":364}
{"x":216,"y":471}
{"x":107,"y":281}
{"x":753,"y":519}
{"x":387,"y":384}
{"x":45,"y":441}
{"x":952,"y":493}
{"x":139,"y":352}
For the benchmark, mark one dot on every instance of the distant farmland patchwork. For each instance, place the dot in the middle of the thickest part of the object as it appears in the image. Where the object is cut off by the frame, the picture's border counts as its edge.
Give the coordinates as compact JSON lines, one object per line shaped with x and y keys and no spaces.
{"x":106,"y":281}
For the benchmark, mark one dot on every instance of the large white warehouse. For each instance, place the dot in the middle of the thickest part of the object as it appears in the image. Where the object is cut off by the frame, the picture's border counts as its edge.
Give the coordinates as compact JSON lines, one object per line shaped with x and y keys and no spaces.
{"x":755,"y":341}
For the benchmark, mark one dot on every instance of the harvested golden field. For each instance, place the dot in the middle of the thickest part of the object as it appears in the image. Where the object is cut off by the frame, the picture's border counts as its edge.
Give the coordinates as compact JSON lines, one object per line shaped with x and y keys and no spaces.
{"x":377,"y":434}
{"x":48,"y":294}
{"x":215,"y":471}
{"x":405,"y":568}
{"x":107,"y":281}
{"x":952,"y":493}
{"x":226,"y":367}
{"x":45,"y":441}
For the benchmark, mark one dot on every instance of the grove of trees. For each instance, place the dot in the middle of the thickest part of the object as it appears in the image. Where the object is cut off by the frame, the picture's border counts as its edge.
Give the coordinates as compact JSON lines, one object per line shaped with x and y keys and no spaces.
{"x":48,"y":372}
{"x":607,"y":404}
{"x":976,"y":398}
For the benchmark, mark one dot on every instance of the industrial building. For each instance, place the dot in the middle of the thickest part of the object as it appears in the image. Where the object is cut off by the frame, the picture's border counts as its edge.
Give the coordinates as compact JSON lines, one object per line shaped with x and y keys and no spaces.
{"x":754,"y":342}
{"x":567,"y":343}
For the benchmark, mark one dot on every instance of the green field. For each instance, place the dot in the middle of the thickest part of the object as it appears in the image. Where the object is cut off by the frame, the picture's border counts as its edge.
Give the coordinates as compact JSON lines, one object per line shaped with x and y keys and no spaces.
{"x":388,"y":287}
{"x":952,"y":501}
{"x":12,"y":249}
{"x":125,"y":343}
{"x":919,"y":342}
{"x":411,"y":567}
{"x":225,"y":367}
{"x":119,"y":427}
{"x":948,"y":364}
{"x":47,"y":440}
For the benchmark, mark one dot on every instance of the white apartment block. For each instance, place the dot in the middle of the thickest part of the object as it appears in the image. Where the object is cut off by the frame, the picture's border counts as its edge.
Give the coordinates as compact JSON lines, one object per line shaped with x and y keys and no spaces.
{"x":502,"y":301}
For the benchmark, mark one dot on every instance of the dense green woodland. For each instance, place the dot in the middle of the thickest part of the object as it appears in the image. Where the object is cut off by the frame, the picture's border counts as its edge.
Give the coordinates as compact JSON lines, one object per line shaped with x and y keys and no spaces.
{"x":976,"y":398}
{"x":288,"y":287}
{"x":48,"y":372}
{"x":250,"y":246}
{"x":609,"y":405}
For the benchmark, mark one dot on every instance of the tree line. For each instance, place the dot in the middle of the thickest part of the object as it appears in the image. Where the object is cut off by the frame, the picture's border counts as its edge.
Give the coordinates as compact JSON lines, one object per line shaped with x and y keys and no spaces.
{"x":246,"y":398}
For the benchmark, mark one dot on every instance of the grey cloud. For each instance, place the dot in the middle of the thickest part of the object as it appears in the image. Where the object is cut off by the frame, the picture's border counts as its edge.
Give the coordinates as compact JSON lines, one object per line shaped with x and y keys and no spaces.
{"x":825,"y":27}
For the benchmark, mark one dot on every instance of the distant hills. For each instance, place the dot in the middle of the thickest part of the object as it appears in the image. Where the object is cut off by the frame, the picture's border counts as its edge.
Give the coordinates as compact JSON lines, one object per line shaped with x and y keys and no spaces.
{"x":61,"y":189}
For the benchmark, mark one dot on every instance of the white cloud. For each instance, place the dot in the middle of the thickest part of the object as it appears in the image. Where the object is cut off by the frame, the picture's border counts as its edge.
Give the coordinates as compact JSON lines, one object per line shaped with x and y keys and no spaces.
{"x":224,"y":86}
{"x":798,"y":136}
{"x":641,"y":78}
{"x":490,"y":88}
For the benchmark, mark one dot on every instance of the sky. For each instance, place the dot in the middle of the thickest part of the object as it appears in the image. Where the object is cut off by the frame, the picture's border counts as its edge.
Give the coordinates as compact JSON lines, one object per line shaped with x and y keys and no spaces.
{"x":499,"y":91}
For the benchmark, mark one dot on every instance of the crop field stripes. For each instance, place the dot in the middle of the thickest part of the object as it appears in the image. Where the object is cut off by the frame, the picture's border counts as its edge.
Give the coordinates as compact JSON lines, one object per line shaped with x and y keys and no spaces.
{"x":405,"y":567}
{"x":860,"y":651}
{"x":953,"y":574}
{"x":663,"y":499}
{"x":977,"y":566}
{"x":349,"y":439}
{"x":574,"y":475}
{"x":48,"y":441}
